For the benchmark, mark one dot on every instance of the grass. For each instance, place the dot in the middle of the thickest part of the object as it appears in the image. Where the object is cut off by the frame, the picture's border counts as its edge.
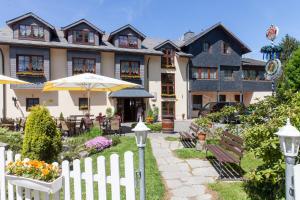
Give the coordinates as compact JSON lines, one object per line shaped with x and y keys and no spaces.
{"x":171,"y":139}
{"x":229,"y":191}
{"x":154,"y":186}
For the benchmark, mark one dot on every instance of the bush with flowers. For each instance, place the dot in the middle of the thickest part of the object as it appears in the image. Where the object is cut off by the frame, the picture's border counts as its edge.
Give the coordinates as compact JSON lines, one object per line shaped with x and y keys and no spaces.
{"x":98,"y":143}
{"x":34,"y":169}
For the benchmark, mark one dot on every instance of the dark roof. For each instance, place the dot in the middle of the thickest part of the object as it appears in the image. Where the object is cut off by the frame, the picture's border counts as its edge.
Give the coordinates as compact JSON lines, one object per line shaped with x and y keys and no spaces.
{"x":252,"y":62}
{"x":131,"y":93}
{"x":196,"y":37}
{"x":30,"y":14}
{"x":85,"y":22}
{"x":125,"y":27}
{"x":167,"y":42}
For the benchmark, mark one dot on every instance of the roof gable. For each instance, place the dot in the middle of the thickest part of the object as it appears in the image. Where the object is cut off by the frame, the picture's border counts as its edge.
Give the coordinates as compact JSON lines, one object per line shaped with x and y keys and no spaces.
{"x":245,"y":48}
{"x":30,"y":14}
{"x":128,"y":26}
{"x":85,"y":22}
{"x":167,"y":42}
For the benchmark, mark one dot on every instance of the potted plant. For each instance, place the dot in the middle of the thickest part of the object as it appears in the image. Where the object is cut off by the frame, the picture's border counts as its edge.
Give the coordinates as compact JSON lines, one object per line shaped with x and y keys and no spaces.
{"x":149,"y":118}
{"x":183,"y":115}
{"x":205,"y":124}
{"x":34,"y":174}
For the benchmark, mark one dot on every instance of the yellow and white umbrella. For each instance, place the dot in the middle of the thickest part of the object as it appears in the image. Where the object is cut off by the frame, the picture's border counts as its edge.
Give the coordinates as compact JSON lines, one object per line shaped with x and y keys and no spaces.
{"x":88,"y":82}
{"x":9,"y":80}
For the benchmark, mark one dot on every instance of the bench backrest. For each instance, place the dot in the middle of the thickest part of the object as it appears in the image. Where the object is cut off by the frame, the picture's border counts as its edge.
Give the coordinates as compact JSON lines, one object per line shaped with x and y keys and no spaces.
{"x":232,"y":143}
{"x":194,"y":128}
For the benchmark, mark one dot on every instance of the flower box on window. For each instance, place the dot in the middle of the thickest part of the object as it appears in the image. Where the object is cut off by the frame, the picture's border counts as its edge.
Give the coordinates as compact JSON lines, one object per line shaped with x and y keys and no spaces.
{"x":168,"y":95}
{"x":168,"y":66}
{"x":29,"y":73}
{"x":131,"y":76}
{"x":36,"y":175}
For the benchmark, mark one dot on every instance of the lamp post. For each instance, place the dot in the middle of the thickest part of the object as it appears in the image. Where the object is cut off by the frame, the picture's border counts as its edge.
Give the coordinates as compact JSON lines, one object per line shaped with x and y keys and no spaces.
{"x":141,"y":131}
{"x":289,"y":138}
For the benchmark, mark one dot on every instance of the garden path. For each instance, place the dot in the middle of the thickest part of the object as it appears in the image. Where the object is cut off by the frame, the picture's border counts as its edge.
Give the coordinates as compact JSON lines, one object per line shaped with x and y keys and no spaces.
{"x":184,"y":179}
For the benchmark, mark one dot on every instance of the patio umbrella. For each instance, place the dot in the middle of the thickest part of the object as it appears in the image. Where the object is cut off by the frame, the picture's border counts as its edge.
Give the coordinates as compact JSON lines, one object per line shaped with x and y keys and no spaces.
{"x":8,"y":80}
{"x":87,"y":82}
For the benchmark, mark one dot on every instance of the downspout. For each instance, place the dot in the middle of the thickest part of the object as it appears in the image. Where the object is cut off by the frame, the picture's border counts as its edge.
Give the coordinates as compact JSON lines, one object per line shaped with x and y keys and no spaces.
{"x":147,"y":70}
{"x":187,"y":88}
{"x":4,"y":86}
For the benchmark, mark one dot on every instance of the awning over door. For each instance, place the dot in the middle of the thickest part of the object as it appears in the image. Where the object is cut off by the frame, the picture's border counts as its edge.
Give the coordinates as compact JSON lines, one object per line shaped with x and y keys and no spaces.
{"x":131,"y":93}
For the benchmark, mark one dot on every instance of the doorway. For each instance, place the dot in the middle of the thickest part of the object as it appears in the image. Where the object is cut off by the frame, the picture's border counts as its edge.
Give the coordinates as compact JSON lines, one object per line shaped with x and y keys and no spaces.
{"x":128,"y":107}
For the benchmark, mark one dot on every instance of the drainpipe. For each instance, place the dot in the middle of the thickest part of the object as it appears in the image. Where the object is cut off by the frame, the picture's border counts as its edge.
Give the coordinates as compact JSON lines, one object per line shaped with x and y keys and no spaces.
{"x":188,"y":89}
{"x":4,"y":87}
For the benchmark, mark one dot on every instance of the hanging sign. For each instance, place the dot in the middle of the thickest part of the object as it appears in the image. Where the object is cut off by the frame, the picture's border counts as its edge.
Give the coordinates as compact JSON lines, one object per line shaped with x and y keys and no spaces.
{"x":272,"y":32}
{"x":273,"y":69}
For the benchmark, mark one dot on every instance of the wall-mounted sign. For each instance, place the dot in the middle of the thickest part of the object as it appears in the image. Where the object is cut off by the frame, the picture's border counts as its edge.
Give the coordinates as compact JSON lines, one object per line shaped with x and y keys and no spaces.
{"x":272,"y":32}
{"x":273,"y":69}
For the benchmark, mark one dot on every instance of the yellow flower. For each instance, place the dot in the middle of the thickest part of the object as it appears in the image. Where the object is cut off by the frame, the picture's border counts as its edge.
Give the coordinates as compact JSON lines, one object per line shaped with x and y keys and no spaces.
{"x":45,"y":172}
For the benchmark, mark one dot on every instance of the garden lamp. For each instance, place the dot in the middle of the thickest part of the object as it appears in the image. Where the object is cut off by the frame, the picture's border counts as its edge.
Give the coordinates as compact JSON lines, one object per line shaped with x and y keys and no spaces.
{"x":289,"y":138}
{"x":141,"y":131}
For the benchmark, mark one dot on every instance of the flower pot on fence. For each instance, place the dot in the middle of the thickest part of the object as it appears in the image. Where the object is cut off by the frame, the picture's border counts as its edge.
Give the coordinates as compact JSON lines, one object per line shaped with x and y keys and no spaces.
{"x":48,"y":187}
{"x":201,"y":136}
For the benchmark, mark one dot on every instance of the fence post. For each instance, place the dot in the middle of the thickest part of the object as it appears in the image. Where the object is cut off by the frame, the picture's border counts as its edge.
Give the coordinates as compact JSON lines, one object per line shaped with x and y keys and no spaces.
{"x":129,"y":175}
{"x":66,"y":175}
{"x":115,"y":177}
{"x":102,"y":194}
{"x":10,"y":189}
{"x":77,"y":179}
{"x":2,"y":174}
{"x":89,"y":181}
{"x":297,"y":181}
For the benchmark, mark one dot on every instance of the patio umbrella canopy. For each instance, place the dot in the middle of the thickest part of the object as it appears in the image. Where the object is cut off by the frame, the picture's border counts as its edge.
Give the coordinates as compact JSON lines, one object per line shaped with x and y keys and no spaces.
{"x":88,"y":82}
{"x":9,"y":80}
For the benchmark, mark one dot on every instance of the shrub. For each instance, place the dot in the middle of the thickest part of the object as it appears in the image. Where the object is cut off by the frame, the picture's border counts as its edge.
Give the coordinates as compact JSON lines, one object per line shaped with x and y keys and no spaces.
{"x":155,"y":127}
{"x":42,"y":140}
{"x":155,"y":114}
{"x":115,"y":140}
{"x":150,"y":113}
{"x":61,"y":116}
{"x":13,"y":139}
{"x":109,"y":112}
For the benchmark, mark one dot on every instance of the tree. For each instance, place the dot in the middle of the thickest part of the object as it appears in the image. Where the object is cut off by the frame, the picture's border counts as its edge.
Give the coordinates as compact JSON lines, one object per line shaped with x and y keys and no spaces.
{"x":42,"y":140}
{"x":288,"y":44}
{"x":291,"y":74}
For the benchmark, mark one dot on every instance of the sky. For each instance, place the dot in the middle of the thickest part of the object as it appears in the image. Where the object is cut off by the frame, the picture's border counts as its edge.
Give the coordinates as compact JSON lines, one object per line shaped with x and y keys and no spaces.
{"x":169,"y":19}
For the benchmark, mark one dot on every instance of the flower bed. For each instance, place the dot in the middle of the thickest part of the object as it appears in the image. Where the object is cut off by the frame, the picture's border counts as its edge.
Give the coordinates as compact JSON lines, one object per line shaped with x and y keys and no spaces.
{"x":98,"y":143}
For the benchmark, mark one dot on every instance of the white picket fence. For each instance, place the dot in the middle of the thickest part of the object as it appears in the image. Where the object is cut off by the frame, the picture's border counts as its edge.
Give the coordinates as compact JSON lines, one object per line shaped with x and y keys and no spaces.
{"x":297,"y":181}
{"x":79,"y":178}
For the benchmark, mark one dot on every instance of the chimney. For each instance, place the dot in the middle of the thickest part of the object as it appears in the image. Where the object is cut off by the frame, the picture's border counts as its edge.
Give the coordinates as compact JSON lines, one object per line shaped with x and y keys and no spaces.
{"x":188,"y":35}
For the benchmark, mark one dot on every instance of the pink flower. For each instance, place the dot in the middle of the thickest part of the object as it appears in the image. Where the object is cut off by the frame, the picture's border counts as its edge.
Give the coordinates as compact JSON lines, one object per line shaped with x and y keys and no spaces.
{"x":98,"y":143}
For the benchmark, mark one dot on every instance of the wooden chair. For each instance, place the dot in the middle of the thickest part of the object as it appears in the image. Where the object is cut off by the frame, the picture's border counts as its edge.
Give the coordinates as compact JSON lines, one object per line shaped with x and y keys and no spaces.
{"x":230,"y":150}
{"x":115,"y":126}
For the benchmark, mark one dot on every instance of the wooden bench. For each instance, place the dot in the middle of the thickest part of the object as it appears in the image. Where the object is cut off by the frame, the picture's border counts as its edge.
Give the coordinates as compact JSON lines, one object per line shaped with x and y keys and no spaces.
{"x":230,"y":150}
{"x":191,"y":135}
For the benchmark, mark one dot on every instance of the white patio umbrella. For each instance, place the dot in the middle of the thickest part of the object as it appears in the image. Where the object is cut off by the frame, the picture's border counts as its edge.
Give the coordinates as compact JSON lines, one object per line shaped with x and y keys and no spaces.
{"x":88,"y":82}
{"x":9,"y":80}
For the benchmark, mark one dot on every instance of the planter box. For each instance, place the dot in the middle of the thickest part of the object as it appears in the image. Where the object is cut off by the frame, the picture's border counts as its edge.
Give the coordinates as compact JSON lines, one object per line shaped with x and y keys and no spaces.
{"x":48,"y":187}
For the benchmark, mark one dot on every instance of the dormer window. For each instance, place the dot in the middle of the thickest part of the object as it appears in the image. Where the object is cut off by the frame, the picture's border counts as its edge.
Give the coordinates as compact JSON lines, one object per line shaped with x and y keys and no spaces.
{"x":84,"y":37}
{"x":31,"y":32}
{"x":167,"y":60}
{"x":128,"y":41}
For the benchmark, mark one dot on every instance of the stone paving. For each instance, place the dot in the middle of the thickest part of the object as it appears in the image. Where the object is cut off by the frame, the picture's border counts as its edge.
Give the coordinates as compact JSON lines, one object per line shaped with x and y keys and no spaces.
{"x":184,"y":179}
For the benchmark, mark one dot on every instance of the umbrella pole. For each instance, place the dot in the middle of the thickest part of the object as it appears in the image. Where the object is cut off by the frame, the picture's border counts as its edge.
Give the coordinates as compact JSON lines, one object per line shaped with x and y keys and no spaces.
{"x":88,"y":93}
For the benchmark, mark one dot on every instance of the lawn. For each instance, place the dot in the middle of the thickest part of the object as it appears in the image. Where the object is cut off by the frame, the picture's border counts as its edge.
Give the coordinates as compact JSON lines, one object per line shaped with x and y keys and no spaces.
{"x":171,"y":139}
{"x":154,"y":186}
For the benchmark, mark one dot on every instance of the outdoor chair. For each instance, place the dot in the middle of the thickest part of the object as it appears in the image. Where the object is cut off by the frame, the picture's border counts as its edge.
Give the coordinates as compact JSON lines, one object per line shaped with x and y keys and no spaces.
{"x":115,"y":126}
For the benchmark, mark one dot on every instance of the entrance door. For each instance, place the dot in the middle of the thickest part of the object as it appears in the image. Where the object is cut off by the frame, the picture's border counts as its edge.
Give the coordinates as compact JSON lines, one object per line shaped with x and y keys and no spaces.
{"x":128,"y":108}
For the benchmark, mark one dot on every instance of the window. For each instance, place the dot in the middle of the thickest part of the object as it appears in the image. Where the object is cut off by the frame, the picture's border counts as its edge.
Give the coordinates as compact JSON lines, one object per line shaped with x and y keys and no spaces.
{"x":28,"y":64}
{"x":197,"y":102}
{"x":83,"y":104}
{"x":130,"y":69}
{"x":84,"y":37}
{"x":204,"y":73}
{"x":30,"y":102}
{"x":253,"y":74}
{"x":128,"y":41}
{"x":222,"y":98}
{"x":228,"y":74}
{"x":237,"y":98}
{"x":206,"y":47}
{"x":167,"y":59}
{"x":84,"y":65}
{"x":226,"y":48}
{"x":168,"y":108}
{"x":167,"y":85}
{"x":31,"y":31}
